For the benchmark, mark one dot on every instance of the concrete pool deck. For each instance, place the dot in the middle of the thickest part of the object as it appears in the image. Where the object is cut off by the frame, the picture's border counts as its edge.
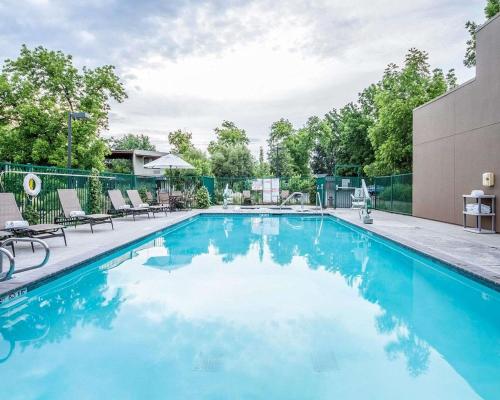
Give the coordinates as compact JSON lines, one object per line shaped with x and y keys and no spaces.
{"x":476,"y":255}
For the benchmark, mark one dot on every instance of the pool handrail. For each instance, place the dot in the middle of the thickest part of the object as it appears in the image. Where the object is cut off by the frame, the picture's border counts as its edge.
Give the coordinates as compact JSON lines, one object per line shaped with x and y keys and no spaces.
{"x":10,"y":257}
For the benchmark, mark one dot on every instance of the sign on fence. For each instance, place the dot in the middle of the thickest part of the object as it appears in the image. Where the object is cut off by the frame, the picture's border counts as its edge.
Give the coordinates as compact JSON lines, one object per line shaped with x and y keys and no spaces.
{"x":271,"y":190}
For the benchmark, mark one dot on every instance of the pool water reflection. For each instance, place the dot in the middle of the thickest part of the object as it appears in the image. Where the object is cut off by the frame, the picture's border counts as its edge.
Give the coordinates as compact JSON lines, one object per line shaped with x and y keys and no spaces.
{"x":241,"y":307}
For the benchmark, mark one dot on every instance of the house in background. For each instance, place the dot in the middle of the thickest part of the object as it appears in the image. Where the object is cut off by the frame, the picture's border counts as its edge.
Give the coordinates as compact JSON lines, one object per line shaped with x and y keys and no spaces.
{"x":137,"y":159}
{"x":456,"y":137}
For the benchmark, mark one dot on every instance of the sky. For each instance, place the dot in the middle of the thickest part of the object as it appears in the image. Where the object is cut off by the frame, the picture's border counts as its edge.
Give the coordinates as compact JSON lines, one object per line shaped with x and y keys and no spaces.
{"x":192,"y":64}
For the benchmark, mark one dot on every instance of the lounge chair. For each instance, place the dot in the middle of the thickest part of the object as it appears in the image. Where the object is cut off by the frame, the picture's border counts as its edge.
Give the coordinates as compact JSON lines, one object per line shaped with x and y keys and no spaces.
{"x":137,"y":202}
{"x":247,"y":197}
{"x":12,"y":221}
{"x":284,"y":195}
{"x":73,"y":213}
{"x":122,"y":208}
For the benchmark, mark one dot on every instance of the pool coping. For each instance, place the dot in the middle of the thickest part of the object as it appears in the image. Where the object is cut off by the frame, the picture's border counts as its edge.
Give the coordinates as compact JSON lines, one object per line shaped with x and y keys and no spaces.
{"x":13,"y":289}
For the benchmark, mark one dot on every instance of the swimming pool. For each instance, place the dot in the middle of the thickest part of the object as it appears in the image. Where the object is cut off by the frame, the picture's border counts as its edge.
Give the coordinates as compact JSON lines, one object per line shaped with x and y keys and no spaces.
{"x":254,"y":307}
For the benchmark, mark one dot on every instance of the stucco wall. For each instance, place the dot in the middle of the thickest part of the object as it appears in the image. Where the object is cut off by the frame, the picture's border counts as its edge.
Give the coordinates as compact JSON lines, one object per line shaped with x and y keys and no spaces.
{"x":457,"y":137}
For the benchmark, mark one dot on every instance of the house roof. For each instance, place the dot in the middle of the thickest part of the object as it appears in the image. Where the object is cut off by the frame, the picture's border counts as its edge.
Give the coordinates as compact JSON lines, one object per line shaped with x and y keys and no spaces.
{"x":130,"y":153}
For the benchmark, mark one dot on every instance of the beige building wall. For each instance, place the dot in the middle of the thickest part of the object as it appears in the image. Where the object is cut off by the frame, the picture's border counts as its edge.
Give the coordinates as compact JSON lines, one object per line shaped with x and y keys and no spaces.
{"x":456,"y":137}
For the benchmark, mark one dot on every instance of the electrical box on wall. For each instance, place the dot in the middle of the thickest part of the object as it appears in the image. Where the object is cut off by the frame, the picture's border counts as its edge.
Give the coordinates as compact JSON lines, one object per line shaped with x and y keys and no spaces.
{"x":488,"y":179}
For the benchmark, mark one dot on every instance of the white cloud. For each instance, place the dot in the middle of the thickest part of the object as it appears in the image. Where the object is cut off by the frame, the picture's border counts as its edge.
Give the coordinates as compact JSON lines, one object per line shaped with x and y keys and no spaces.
{"x":191,"y":65}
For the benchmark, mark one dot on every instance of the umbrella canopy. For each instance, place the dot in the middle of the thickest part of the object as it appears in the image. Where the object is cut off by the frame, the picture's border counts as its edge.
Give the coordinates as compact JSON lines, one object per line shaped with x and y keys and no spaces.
{"x":170,"y":161}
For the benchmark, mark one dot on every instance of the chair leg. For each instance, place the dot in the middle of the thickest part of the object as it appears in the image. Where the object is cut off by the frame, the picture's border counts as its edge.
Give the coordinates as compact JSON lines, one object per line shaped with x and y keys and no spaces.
{"x":32,"y":247}
{"x":91,"y":227}
{"x":111,"y":222}
{"x":64,"y":237}
{"x":13,"y":249}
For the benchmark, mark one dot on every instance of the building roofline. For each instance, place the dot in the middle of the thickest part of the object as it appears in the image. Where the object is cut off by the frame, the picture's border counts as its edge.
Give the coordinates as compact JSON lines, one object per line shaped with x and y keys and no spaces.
{"x":140,"y":152}
{"x":446,"y":94}
{"x":488,"y":22}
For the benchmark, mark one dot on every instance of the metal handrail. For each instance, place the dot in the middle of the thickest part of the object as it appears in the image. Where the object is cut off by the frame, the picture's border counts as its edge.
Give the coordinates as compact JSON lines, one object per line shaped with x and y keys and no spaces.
{"x":10,"y":257}
{"x":12,"y":269}
{"x":291,"y":197}
{"x":318,"y":199}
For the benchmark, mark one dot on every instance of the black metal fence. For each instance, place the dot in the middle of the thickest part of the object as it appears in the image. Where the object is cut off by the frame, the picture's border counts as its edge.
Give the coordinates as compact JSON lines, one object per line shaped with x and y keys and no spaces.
{"x":47,"y":204}
{"x":389,"y":193}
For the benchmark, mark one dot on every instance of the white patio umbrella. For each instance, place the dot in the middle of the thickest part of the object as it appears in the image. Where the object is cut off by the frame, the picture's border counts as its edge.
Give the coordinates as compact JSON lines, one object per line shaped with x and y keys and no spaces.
{"x":170,"y":161}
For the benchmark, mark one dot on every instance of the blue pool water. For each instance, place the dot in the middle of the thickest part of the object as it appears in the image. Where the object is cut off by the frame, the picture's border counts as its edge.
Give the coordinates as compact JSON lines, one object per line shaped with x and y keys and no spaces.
{"x":250,"y":307}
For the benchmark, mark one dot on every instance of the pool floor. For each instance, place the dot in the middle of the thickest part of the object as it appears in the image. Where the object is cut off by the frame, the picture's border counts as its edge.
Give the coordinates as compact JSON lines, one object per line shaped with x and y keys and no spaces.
{"x":255,"y":307}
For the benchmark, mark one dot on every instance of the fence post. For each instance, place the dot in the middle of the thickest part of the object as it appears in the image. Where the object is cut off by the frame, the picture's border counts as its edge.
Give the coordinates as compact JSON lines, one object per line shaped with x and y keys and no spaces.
{"x":392,"y":194}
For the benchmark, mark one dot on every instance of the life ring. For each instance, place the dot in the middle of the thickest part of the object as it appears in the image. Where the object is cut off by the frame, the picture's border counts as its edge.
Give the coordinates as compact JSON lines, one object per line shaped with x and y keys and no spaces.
{"x":32,"y":185}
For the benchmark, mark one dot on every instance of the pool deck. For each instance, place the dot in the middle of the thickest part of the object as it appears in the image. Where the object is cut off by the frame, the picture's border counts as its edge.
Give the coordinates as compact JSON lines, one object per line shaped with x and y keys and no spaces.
{"x":476,"y":255}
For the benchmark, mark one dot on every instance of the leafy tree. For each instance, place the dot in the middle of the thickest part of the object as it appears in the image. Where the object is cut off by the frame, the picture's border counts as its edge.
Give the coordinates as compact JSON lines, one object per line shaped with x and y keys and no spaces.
{"x":278,"y":155}
{"x":37,"y":90}
{"x":492,"y":8}
{"x":131,"y":142}
{"x":400,"y":91}
{"x":182,"y":145}
{"x":262,"y":169}
{"x":354,"y":143}
{"x":228,"y":134}
{"x":324,"y":134}
{"x":232,"y":160}
{"x":229,"y":153}
{"x":299,"y":146}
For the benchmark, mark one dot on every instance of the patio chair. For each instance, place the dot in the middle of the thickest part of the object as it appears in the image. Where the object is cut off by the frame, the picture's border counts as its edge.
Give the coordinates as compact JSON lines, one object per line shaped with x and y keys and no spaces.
{"x":177,"y":200}
{"x":247,"y":197}
{"x":120,"y":207}
{"x":137,"y":202}
{"x":164,"y":199}
{"x":284,"y":195}
{"x":12,"y":221}
{"x":73,"y":213}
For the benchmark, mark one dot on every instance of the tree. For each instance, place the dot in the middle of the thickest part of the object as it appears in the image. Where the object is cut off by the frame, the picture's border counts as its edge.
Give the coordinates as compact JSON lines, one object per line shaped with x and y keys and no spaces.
{"x":279,"y":158}
{"x":400,"y":91}
{"x":228,"y":134}
{"x":299,"y":146}
{"x":324,"y":134}
{"x":492,"y":8}
{"x":232,"y":160}
{"x":131,"y":142}
{"x":181,"y":145}
{"x":229,"y":153}
{"x":262,"y":169}
{"x":354,"y":143}
{"x":37,"y":90}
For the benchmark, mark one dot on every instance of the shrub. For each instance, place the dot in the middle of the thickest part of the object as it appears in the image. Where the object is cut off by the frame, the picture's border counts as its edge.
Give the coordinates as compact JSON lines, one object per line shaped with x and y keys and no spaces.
{"x":143,"y":192}
{"x":399,"y":191}
{"x":312,"y":192}
{"x":202,"y":198}
{"x":95,"y":192}
{"x":30,"y":214}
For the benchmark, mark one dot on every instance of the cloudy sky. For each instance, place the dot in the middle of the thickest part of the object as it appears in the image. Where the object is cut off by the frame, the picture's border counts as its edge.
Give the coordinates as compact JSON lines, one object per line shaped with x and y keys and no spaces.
{"x":191,"y":64}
